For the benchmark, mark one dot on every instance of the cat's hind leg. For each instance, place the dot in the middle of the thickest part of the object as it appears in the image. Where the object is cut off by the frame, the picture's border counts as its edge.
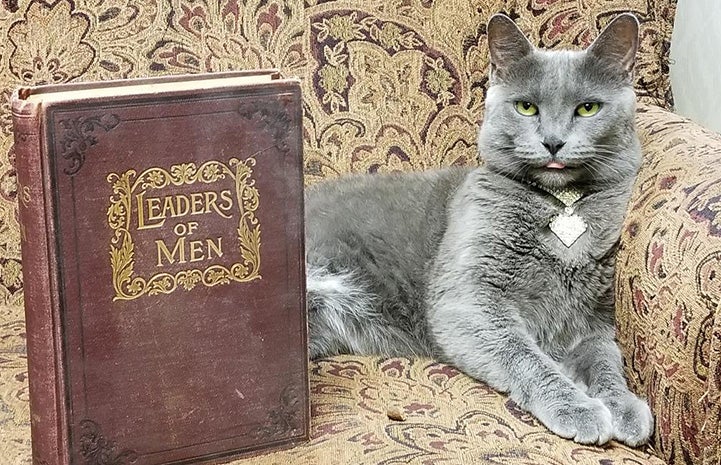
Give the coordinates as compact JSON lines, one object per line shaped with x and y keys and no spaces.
{"x":336,"y":300}
{"x":344,"y":317}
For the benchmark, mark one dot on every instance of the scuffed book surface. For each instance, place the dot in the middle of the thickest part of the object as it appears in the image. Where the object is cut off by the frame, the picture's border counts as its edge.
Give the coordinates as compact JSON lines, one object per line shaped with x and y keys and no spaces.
{"x":176,"y":256}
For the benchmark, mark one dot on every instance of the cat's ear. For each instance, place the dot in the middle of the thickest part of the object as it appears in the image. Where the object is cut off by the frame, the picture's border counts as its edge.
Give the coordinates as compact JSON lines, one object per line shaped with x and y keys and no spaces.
{"x":618,"y":41}
{"x":506,"y":42}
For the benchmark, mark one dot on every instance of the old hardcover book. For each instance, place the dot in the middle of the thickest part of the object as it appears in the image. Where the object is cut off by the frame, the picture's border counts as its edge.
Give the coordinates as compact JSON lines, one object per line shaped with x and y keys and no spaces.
{"x":162,"y":240}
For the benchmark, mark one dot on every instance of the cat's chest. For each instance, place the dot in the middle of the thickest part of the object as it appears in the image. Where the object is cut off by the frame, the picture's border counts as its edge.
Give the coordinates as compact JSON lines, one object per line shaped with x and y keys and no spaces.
{"x":570,"y":259}
{"x":564,"y":282}
{"x":572,"y":235}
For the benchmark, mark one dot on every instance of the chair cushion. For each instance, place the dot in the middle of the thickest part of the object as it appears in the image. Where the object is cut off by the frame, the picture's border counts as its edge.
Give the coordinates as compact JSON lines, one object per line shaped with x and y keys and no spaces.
{"x":448,"y":417}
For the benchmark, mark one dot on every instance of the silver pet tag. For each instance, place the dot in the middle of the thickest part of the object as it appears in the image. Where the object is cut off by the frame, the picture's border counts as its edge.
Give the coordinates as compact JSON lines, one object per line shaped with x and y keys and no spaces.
{"x":568,"y":226}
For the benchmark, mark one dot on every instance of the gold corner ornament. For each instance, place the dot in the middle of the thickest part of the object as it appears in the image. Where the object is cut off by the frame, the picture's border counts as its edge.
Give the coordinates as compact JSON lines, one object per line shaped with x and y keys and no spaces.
{"x":127,"y":285}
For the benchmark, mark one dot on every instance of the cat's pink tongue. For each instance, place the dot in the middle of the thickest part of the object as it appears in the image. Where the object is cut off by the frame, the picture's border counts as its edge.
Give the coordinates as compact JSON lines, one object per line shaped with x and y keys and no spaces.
{"x":556,"y":165}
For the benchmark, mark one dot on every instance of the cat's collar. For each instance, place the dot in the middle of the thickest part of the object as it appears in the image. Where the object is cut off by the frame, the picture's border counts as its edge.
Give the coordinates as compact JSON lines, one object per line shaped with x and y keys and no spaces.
{"x":568,"y":196}
{"x":567,"y":225}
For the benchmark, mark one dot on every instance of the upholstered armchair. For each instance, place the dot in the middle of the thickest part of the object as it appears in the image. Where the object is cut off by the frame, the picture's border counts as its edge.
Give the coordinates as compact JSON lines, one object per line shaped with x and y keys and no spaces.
{"x":399,"y":85}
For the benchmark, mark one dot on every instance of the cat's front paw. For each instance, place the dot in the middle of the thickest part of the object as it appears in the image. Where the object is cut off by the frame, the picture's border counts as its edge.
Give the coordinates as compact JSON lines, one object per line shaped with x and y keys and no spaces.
{"x":632,"y":419}
{"x":585,"y":420}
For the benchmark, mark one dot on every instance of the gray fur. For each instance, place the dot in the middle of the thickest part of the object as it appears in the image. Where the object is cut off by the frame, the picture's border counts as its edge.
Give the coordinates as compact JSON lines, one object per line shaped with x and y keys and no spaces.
{"x":460,"y":264}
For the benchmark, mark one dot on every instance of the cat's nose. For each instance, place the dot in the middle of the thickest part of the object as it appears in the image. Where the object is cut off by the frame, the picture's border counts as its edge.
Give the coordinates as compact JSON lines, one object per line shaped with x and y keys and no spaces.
{"x":553,"y":145}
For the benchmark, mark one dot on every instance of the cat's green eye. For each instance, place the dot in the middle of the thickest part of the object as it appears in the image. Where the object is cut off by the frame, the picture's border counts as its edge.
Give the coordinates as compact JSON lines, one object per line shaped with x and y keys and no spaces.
{"x":526,"y":108}
{"x":588,"y":109}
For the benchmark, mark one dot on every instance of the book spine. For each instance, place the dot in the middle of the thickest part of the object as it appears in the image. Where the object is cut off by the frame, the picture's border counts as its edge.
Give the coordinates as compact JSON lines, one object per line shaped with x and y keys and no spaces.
{"x":43,"y":368}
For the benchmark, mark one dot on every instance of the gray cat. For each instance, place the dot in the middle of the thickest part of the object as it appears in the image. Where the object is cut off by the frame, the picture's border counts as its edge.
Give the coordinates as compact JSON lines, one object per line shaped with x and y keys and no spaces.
{"x":505,"y":271}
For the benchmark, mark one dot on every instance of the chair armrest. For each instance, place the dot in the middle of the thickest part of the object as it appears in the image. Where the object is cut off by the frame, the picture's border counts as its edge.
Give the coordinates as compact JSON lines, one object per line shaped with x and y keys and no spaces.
{"x":668,"y":284}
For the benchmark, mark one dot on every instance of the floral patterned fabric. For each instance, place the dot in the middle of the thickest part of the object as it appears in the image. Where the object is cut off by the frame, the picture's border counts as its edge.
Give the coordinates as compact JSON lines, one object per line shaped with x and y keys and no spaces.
{"x":447,"y":417}
{"x":399,"y":85}
{"x":668,"y":288}
{"x":388,"y":85}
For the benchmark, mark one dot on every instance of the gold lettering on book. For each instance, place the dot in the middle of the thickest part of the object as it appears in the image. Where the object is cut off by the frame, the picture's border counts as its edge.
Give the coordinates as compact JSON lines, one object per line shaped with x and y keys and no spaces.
{"x":24,"y":194}
{"x":137,"y":193}
{"x":153,"y":211}
{"x":25,"y":199}
{"x":184,"y":251}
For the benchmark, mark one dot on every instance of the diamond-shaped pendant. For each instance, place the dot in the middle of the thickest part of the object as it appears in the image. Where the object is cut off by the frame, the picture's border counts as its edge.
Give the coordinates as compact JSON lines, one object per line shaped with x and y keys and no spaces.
{"x":568,"y":227}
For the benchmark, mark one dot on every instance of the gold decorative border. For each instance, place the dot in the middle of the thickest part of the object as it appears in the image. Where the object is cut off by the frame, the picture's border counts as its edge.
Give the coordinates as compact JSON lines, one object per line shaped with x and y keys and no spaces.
{"x":122,"y":248}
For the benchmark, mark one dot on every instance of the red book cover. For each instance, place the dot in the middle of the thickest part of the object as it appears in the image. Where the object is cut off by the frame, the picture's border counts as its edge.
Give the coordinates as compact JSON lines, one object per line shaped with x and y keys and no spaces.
{"x":163,"y":261}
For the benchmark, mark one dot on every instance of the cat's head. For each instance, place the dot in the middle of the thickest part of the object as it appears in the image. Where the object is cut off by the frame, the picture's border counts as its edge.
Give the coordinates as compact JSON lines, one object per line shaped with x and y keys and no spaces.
{"x":561,"y":117}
